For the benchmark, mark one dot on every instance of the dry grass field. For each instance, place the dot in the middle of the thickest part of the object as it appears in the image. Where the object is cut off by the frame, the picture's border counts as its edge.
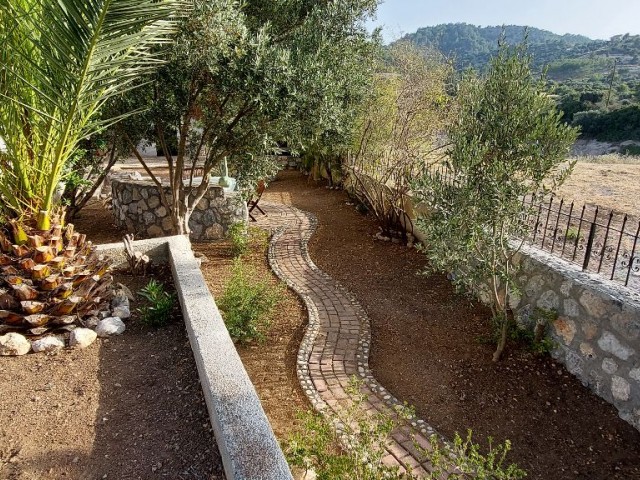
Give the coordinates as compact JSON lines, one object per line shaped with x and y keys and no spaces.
{"x":611,"y":181}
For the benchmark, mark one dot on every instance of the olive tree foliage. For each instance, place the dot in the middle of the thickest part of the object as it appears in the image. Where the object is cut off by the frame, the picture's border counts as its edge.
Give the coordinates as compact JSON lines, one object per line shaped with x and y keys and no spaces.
{"x":397,"y":129}
{"x":507,"y":142}
{"x":242,"y":76}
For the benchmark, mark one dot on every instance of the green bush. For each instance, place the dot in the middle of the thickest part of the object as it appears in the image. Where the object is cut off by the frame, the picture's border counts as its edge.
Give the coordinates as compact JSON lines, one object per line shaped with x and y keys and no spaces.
{"x":239,"y":237}
{"x":248,"y":302}
{"x":358,"y":453}
{"x":157,"y":312}
{"x":242,"y":238}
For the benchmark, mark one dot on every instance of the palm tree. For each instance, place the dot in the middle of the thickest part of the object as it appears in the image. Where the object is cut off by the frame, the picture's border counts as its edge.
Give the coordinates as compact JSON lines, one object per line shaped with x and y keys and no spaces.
{"x":60,"y":61}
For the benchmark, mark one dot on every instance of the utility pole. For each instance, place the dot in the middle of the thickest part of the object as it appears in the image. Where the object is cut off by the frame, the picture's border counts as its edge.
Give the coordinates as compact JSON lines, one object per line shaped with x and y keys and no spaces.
{"x":613,"y":74}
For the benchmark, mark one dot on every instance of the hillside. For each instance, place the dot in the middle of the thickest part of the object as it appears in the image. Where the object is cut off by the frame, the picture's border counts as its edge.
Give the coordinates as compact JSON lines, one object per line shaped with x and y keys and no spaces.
{"x":596,"y":82}
{"x":567,"y":56}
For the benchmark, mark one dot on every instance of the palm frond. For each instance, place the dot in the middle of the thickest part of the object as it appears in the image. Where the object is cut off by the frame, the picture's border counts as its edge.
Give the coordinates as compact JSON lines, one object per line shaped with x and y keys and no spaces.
{"x":61,"y":60}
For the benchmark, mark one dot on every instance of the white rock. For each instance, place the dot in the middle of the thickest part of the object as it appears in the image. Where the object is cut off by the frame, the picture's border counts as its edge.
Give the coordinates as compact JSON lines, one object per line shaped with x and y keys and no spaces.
{"x":82,"y":337}
{"x":48,"y":344}
{"x":609,"y":343}
{"x":13,"y":344}
{"x":620,"y":388}
{"x":110,"y":326}
{"x":122,"y":311}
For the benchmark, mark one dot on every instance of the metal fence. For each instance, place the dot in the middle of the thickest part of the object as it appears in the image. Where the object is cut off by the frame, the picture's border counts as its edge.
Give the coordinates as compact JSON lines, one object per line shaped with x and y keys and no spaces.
{"x":601,"y":241}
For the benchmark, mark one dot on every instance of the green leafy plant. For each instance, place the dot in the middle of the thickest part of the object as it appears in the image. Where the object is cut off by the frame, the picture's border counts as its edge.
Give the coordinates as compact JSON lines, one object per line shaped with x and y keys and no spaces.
{"x":247,"y":303}
{"x":462,"y":459}
{"x":243,"y":238}
{"x":157,"y":313}
{"x":239,"y":237}
{"x":60,"y":63}
{"x":572,"y":233}
{"x":357,"y":452}
{"x":507,"y":142}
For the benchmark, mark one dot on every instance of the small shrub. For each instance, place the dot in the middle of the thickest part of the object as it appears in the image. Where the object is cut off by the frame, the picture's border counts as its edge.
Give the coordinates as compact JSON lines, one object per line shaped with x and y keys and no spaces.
{"x":462,"y":460}
{"x":239,"y":237}
{"x":247,"y":303}
{"x":358,"y":453}
{"x":242,"y":238}
{"x":160,"y":304}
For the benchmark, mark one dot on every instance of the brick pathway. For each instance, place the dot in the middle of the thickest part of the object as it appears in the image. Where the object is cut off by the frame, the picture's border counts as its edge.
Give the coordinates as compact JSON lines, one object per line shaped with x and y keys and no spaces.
{"x":335,"y":347}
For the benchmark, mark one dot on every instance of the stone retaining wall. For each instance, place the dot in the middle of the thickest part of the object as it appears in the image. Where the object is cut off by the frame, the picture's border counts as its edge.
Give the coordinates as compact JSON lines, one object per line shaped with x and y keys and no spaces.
{"x":597,"y":332}
{"x":137,"y":207}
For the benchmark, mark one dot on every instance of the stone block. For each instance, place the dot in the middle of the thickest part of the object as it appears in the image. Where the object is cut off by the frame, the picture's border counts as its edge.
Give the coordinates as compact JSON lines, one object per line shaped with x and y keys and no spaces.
{"x":620,"y":388}
{"x":154,"y":201}
{"x":587,"y":351}
{"x":565,"y":328}
{"x":570,"y":308}
{"x":593,"y":304}
{"x":549,"y":300}
{"x":608,"y":342}
{"x":155,"y":231}
{"x":609,"y":366}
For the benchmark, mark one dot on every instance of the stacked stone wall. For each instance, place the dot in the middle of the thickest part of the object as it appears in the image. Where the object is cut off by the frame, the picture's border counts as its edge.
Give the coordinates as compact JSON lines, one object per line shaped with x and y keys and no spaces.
{"x":596,"y":334}
{"x":138,"y":209}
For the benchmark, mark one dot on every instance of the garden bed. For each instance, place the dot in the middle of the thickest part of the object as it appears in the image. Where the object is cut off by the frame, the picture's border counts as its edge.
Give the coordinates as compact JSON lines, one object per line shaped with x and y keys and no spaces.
{"x":129,"y":406}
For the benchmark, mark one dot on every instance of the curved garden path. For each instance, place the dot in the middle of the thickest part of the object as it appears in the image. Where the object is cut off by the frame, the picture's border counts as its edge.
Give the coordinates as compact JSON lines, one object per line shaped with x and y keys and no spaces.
{"x":335,"y":347}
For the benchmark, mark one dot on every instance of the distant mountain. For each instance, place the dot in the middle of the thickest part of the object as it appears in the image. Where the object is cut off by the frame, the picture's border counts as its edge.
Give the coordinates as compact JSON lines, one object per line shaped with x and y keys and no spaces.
{"x":567,"y":56}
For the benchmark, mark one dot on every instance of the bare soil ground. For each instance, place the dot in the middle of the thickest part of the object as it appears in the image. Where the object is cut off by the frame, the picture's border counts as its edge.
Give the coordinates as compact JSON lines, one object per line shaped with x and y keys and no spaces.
{"x":128,"y":407}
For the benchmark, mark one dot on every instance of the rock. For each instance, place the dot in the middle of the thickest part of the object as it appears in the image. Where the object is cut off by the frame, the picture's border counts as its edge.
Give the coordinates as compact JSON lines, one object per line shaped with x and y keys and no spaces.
{"x":620,"y":388}
{"x":565,"y":288}
{"x":126,"y":291}
{"x":565,"y":328}
{"x":635,"y":374}
{"x":92,"y":322}
{"x":214,"y":232}
{"x":571,"y":308}
{"x":627,"y":324}
{"x":153,"y":201}
{"x":149,"y":218}
{"x":82,"y":338}
{"x":587,"y":350}
{"x":161,"y":212}
{"x":110,"y":326}
{"x":123,"y":311}
{"x":590,"y":330}
{"x":167,"y":224}
{"x":549,"y":300}
{"x":13,"y":344}
{"x":609,"y":343}
{"x":155,"y":231}
{"x":534,"y":286}
{"x":609,"y":366}
{"x":593,"y":304}
{"x":48,"y":344}
{"x":574,"y":363}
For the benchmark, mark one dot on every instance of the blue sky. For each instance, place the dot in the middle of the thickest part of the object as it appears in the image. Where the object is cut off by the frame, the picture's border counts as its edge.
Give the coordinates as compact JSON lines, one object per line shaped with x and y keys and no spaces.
{"x":593,"y":18}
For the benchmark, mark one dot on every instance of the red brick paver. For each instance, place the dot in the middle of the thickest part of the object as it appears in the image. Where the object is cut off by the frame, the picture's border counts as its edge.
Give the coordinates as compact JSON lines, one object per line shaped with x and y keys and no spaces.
{"x":335,"y":347}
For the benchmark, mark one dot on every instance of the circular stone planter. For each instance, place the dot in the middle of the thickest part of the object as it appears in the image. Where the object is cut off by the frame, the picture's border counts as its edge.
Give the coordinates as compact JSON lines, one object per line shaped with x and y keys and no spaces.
{"x":137,"y":207}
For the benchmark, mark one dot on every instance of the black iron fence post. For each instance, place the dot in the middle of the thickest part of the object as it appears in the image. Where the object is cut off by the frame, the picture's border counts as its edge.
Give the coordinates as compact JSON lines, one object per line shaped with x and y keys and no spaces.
{"x":587,"y":253}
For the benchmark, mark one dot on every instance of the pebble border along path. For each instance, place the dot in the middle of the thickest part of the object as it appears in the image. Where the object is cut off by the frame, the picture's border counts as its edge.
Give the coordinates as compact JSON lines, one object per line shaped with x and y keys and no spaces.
{"x":335,"y":347}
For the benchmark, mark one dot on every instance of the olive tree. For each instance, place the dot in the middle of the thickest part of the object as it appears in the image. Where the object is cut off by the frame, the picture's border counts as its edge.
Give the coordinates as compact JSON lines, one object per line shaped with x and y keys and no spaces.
{"x":507,"y":141}
{"x":243,"y":76}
